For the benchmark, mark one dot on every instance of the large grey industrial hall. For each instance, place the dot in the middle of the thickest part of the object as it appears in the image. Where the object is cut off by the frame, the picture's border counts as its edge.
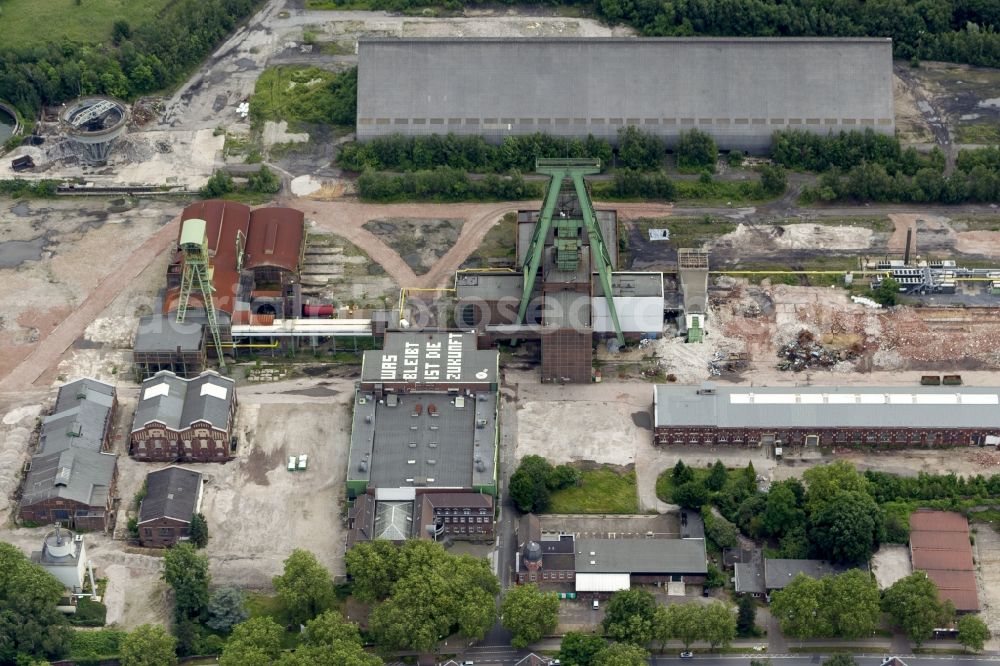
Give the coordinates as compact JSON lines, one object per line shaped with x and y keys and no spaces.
{"x":739,"y":90}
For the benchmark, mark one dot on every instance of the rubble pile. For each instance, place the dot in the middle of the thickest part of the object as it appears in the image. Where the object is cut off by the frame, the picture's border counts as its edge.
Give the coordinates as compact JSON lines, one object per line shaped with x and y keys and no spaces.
{"x":806,"y":352}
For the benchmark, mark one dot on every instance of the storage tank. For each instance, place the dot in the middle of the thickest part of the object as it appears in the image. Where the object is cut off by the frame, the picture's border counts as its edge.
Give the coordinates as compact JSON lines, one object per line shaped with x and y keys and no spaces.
{"x":309,"y":310}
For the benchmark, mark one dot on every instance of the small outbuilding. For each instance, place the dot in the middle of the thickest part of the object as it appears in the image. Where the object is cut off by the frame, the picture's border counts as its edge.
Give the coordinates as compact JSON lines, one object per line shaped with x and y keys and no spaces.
{"x":173,"y":497}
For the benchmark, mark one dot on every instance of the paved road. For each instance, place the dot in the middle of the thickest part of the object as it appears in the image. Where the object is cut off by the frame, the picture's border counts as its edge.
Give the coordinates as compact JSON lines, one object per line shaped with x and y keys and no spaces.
{"x":508,"y":657}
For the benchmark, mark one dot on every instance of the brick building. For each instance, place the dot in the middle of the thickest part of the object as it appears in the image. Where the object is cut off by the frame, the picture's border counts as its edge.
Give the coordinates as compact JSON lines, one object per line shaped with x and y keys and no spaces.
{"x":184,"y":419}
{"x":72,"y":477}
{"x":919,"y":416}
{"x":173,"y":497}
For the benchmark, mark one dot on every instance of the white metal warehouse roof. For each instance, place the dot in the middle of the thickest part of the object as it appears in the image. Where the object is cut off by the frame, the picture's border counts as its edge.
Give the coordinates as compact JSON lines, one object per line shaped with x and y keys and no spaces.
{"x":827,"y":407}
{"x":602,"y":582}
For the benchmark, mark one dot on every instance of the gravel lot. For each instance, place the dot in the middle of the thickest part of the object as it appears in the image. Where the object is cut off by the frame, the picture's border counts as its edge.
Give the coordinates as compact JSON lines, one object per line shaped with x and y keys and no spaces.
{"x":890,"y":564}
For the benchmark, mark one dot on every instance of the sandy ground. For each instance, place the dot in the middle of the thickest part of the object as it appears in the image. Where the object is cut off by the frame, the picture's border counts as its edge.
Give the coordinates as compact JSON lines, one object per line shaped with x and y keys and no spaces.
{"x":986,"y":552}
{"x":890,"y":563}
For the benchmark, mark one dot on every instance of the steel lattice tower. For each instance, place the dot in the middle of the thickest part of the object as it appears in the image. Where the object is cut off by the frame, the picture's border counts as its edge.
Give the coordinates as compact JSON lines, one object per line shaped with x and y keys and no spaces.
{"x":197,"y":277}
{"x":568,"y":231}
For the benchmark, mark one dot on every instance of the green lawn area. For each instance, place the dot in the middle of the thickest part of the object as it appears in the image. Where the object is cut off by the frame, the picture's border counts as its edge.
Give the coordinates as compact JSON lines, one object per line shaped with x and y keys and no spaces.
{"x":28,"y":22}
{"x":601,"y":490}
{"x":304,"y":95}
{"x":687,"y":231}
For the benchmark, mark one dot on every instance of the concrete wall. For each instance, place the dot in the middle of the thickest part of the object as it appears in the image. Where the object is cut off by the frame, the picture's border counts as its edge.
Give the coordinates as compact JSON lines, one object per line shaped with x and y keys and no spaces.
{"x":740,"y":90}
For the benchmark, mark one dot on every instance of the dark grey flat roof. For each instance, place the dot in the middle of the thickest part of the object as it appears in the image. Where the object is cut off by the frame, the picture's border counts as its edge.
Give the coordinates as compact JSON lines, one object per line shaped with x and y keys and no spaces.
{"x":162,"y":333}
{"x":641,"y":556}
{"x":827,"y":407}
{"x":636,"y":285}
{"x":779,"y":573}
{"x":430,"y":357}
{"x":405,"y":446}
{"x":171,"y":492}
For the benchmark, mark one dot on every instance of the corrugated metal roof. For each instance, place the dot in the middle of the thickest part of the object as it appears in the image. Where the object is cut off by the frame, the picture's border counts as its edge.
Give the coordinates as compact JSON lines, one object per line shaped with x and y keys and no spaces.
{"x":161,"y":332}
{"x":80,"y":418}
{"x":275,"y":238}
{"x":171,"y":492}
{"x":940,"y":546}
{"x":177,"y":402}
{"x":602,"y":582}
{"x":77,"y":473}
{"x":828,"y":407}
{"x":641,"y":556}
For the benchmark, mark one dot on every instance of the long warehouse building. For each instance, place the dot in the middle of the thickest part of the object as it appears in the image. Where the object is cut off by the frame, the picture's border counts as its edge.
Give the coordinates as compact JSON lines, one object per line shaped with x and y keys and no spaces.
{"x":740,"y":90}
{"x":813,"y":416}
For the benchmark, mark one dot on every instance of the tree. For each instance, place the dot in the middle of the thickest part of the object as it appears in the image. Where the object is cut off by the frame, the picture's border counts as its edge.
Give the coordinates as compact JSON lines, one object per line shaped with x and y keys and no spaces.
{"x":256,"y":642}
{"x":717,"y":476}
{"x":629,"y":616}
{"x":435,"y":593}
{"x":845,"y":606}
{"x":148,"y":645}
{"x":578,"y":649}
{"x":825,"y":481}
{"x":638,"y":150}
{"x":685,"y":622}
{"x":840,"y":660}
{"x":186,"y":571}
{"x":529,"y":613}
{"x":718,"y":624}
{"x":373,"y":567}
{"x":972,"y":632}
{"x":226,"y":609}
{"x":746,"y":619}
{"x":305,"y":588}
{"x":912,"y":603}
{"x":848,"y":528}
{"x":199,"y":530}
{"x":263,"y":181}
{"x":529,"y":484}
{"x":682,"y":473}
{"x":621,"y":654}
{"x":696,"y":150}
{"x":329,"y":640}
{"x":781,"y":512}
{"x":30,"y":625}
{"x":887,"y":292}
{"x":691,"y":495}
{"x":663,"y":631}
{"x":773,"y":179}
{"x":219,"y":184}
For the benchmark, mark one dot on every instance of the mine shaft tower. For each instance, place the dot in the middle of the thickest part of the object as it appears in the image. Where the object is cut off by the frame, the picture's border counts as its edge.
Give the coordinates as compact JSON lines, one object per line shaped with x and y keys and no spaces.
{"x":568,"y":210}
{"x":197,"y":277}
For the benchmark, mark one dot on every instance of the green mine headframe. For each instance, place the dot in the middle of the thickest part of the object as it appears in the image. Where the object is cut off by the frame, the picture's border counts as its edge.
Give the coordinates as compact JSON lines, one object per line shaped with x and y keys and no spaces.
{"x":568,"y":231}
{"x":197,"y":277}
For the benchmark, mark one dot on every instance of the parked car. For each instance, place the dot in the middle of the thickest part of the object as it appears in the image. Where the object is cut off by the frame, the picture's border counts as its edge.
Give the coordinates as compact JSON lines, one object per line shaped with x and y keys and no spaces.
{"x":596,"y":604}
{"x":687,"y":655}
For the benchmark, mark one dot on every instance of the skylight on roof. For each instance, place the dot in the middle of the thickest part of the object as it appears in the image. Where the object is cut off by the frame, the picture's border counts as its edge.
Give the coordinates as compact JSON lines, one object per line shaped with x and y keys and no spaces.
{"x":214,"y":391}
{"x":162,"y":388}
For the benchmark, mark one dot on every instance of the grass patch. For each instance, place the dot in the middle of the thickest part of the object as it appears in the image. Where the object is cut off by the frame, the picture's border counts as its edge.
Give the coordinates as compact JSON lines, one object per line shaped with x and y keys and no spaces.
{"x":687,"y":231}
{"x":498,"y":246}
{"x":876,"y":224}
{"x":30,"y":22}
{"x":266,"y":605}
{"x":980,"y":134}
{"x":601,"y":490}
{"x":95,"y":645}
{"x":719,"y":192}
{"x":305,"y":95}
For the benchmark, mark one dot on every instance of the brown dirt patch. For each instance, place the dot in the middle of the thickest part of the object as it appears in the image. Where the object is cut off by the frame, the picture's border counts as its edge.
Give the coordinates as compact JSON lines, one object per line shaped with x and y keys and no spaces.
{"x":986,"y":243}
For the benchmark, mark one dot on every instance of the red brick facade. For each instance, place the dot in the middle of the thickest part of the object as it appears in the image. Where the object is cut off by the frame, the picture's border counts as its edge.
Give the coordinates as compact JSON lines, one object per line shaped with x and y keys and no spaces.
{"x":198,"y":443}
{"x":880,"y":437}
{"x":74,"y":514}
{"x":163,"y":532}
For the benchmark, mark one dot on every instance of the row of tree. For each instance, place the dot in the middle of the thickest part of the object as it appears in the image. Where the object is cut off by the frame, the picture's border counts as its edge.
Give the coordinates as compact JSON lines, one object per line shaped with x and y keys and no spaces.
{"x":262,"y":181}
{"x":871,"y":182}
{"x":849,"y":606}
{"x":951,"y":30}
{"x":140,"y":59}
{"x":444,"y":184}
{"x":636,"y":150}
{"x":799,"y":149}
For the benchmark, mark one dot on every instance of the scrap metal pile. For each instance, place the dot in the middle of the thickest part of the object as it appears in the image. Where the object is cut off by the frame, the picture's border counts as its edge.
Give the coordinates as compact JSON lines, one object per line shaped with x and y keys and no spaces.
{"x":806,"y":352}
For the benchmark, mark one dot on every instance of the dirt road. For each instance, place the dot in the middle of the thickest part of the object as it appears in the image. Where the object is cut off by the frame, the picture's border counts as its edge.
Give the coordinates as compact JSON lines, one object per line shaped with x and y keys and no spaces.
{"x":51,"y":348}
{"x":347,"y":219}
